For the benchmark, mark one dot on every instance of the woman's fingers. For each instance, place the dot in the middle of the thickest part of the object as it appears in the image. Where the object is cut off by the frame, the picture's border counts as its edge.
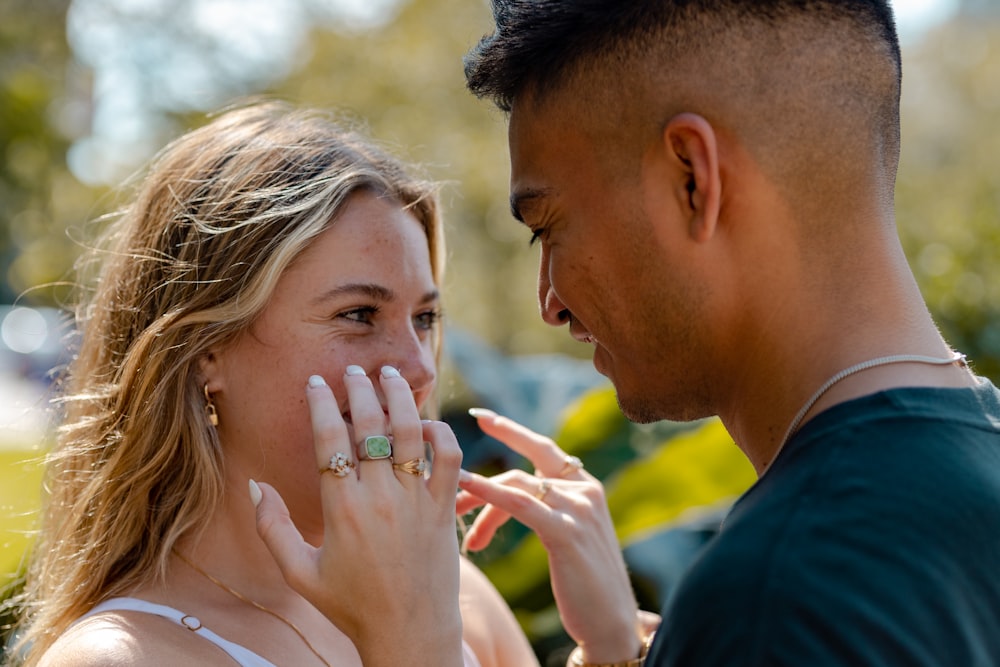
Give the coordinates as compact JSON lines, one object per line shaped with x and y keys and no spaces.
{"x":335,"y":456}
{"x":465,"y":502}
{"x":371,"y":428}
{"x":567,"y":510}
{"x":545,"y":455}
{"x":408,"y":460}
{"x":294,"y":556}
{"x":484,"y":528}
{"x":513,"y":493}
{"x":389,"y":535}
{"x":447,"y":462}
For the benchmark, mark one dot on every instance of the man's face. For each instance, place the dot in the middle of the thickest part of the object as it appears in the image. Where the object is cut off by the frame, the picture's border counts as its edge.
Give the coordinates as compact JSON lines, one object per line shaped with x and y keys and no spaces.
{"x":612,"y":262}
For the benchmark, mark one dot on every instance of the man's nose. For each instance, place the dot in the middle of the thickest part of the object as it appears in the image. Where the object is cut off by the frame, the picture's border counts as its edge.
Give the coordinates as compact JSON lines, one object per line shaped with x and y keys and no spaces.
{"x":553,"y":310}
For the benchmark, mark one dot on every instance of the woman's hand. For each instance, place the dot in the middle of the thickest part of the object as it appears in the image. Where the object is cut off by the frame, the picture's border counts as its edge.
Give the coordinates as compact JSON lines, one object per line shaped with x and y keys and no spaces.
{"x":567,"y":509}
{"x":387,"y":573}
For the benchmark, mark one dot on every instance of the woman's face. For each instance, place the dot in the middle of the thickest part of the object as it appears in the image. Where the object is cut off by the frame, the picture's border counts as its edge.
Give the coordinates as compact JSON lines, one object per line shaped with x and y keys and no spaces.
{"x":363,"y":294}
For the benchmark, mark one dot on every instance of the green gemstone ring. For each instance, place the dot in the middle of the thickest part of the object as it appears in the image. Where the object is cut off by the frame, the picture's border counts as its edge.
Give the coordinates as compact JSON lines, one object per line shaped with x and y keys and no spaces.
{"x":378,"y":447}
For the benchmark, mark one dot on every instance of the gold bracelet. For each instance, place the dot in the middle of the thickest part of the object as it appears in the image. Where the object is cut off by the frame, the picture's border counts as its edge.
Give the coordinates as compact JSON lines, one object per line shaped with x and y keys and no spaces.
{"x":576,"y":657}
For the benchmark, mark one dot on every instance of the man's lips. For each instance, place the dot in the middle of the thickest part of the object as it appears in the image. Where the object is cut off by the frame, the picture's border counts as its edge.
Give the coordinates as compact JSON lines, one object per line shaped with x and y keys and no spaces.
{"x":580,"y":332}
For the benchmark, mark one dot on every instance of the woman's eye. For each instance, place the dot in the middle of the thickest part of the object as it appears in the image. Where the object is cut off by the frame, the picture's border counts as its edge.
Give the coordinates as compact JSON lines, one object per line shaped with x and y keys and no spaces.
{"x":535,"y":235}
{"x":428,"y":319}
{"x":363,"y":315}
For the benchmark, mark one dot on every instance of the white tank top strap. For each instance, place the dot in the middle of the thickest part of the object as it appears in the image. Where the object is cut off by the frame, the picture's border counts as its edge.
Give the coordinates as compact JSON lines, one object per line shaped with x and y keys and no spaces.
{"x":244,"y":656}
{"x":468,"y":656}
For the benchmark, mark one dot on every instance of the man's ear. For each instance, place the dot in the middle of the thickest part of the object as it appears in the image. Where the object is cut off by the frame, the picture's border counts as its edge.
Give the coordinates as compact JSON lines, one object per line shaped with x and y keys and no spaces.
{"x":690,"y":143}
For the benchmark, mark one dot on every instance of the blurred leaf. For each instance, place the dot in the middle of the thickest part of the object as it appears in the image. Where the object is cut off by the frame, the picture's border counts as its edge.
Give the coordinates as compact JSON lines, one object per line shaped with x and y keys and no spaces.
{"x":695,"y":469}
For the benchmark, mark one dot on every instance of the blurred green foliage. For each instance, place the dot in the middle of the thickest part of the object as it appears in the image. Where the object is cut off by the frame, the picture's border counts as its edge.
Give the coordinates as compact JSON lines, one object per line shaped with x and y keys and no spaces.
{"x":948,"y":190}
{"x":39,"y":198}
{"x":20,"y":494}
{"x":403,"y":78}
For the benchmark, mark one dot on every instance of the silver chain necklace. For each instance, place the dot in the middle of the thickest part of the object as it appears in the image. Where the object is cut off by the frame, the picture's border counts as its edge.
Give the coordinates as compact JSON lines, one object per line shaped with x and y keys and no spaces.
{"x":857,"y":368}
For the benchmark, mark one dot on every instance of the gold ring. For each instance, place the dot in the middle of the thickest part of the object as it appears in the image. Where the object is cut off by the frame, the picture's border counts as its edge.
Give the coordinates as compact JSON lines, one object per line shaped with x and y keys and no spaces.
{"x":570,"y":464}
{"x":340,"y":465}
{"x":543,"y":489}
{"x":417,"y":466}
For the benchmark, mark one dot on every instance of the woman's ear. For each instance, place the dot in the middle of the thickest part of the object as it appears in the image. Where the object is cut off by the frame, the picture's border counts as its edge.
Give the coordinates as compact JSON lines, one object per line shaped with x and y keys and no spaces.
{"x":210,"y":372}
{"x":691,"y":144}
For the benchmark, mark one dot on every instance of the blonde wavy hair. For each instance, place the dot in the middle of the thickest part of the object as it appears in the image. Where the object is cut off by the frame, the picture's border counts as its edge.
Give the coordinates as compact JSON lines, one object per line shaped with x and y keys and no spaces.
{"x":219,"y":215}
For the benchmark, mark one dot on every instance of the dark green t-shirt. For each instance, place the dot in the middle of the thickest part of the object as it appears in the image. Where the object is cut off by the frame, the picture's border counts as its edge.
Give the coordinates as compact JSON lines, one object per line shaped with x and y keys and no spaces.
{"x":874,"y":539}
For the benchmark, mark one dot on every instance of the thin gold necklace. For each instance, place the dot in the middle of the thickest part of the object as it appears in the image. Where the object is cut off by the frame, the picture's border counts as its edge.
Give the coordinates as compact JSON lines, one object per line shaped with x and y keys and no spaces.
{"x":239,"y":596}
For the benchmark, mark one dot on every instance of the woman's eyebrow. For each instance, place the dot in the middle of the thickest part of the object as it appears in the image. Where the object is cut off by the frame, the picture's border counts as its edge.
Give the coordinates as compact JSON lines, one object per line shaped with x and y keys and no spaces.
{"x":433,"y":295}
{"x":371,"y":290}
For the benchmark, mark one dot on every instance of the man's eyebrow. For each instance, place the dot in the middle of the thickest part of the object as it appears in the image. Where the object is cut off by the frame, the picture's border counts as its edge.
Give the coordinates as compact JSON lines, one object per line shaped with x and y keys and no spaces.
{"x":373,"y":291}
{"x":521,"y":197}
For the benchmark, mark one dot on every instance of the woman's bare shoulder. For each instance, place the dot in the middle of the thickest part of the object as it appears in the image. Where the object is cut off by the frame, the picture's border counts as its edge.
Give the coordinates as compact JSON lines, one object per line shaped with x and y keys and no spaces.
{"x":127,"y":639}
{"x":488,"y":624}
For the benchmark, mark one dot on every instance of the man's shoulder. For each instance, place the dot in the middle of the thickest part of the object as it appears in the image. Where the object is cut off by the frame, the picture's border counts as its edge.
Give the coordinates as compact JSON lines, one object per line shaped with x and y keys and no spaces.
{"x":883,"y":522}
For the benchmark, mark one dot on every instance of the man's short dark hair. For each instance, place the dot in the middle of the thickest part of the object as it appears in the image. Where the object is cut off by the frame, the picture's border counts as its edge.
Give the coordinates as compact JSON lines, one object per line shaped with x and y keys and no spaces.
{"x":537,"y":43}
{"x":810,"y":87}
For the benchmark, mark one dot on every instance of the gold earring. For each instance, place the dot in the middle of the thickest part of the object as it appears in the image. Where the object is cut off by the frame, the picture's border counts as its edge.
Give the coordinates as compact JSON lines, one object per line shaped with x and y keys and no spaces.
{"x":213,"y":416}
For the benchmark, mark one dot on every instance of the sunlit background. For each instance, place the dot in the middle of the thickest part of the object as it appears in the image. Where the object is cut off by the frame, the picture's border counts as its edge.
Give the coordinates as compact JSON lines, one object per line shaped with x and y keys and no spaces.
{"x":90,"y":89}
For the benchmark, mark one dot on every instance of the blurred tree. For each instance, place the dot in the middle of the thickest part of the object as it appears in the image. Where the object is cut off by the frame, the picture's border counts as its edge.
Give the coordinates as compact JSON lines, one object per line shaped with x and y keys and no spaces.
{"x":38,"y":196}
{"x":948,"y":191}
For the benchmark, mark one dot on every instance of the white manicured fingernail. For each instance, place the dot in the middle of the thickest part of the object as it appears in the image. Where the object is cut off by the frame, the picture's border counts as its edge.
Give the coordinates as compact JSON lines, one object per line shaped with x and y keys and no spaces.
{"x":316,"y":381}
{"x":390,"y":372}
{"x":355,"y":370}
{"x":464,"y":475}
{"x":255,"y":495}
{"x":481,"y":412}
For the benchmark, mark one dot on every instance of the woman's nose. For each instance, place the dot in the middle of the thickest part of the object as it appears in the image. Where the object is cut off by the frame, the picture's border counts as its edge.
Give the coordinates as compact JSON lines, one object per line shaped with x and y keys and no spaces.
{"x":414,"y":357}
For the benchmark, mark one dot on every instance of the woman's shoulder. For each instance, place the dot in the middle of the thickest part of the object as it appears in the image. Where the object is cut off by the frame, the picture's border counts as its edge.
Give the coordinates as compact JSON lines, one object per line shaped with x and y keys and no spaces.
{"x":120,"y":638}
{"x":488,"y":624}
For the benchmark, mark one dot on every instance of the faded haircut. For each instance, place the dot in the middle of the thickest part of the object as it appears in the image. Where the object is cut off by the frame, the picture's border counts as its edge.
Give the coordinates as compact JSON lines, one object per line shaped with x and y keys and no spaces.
{"x":538,"y":43}
{"x":811,"y":87}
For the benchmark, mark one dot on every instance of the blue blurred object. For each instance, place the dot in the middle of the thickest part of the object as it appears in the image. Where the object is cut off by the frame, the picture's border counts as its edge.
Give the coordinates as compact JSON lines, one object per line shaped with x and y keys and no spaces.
{"x":657,"y":561}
